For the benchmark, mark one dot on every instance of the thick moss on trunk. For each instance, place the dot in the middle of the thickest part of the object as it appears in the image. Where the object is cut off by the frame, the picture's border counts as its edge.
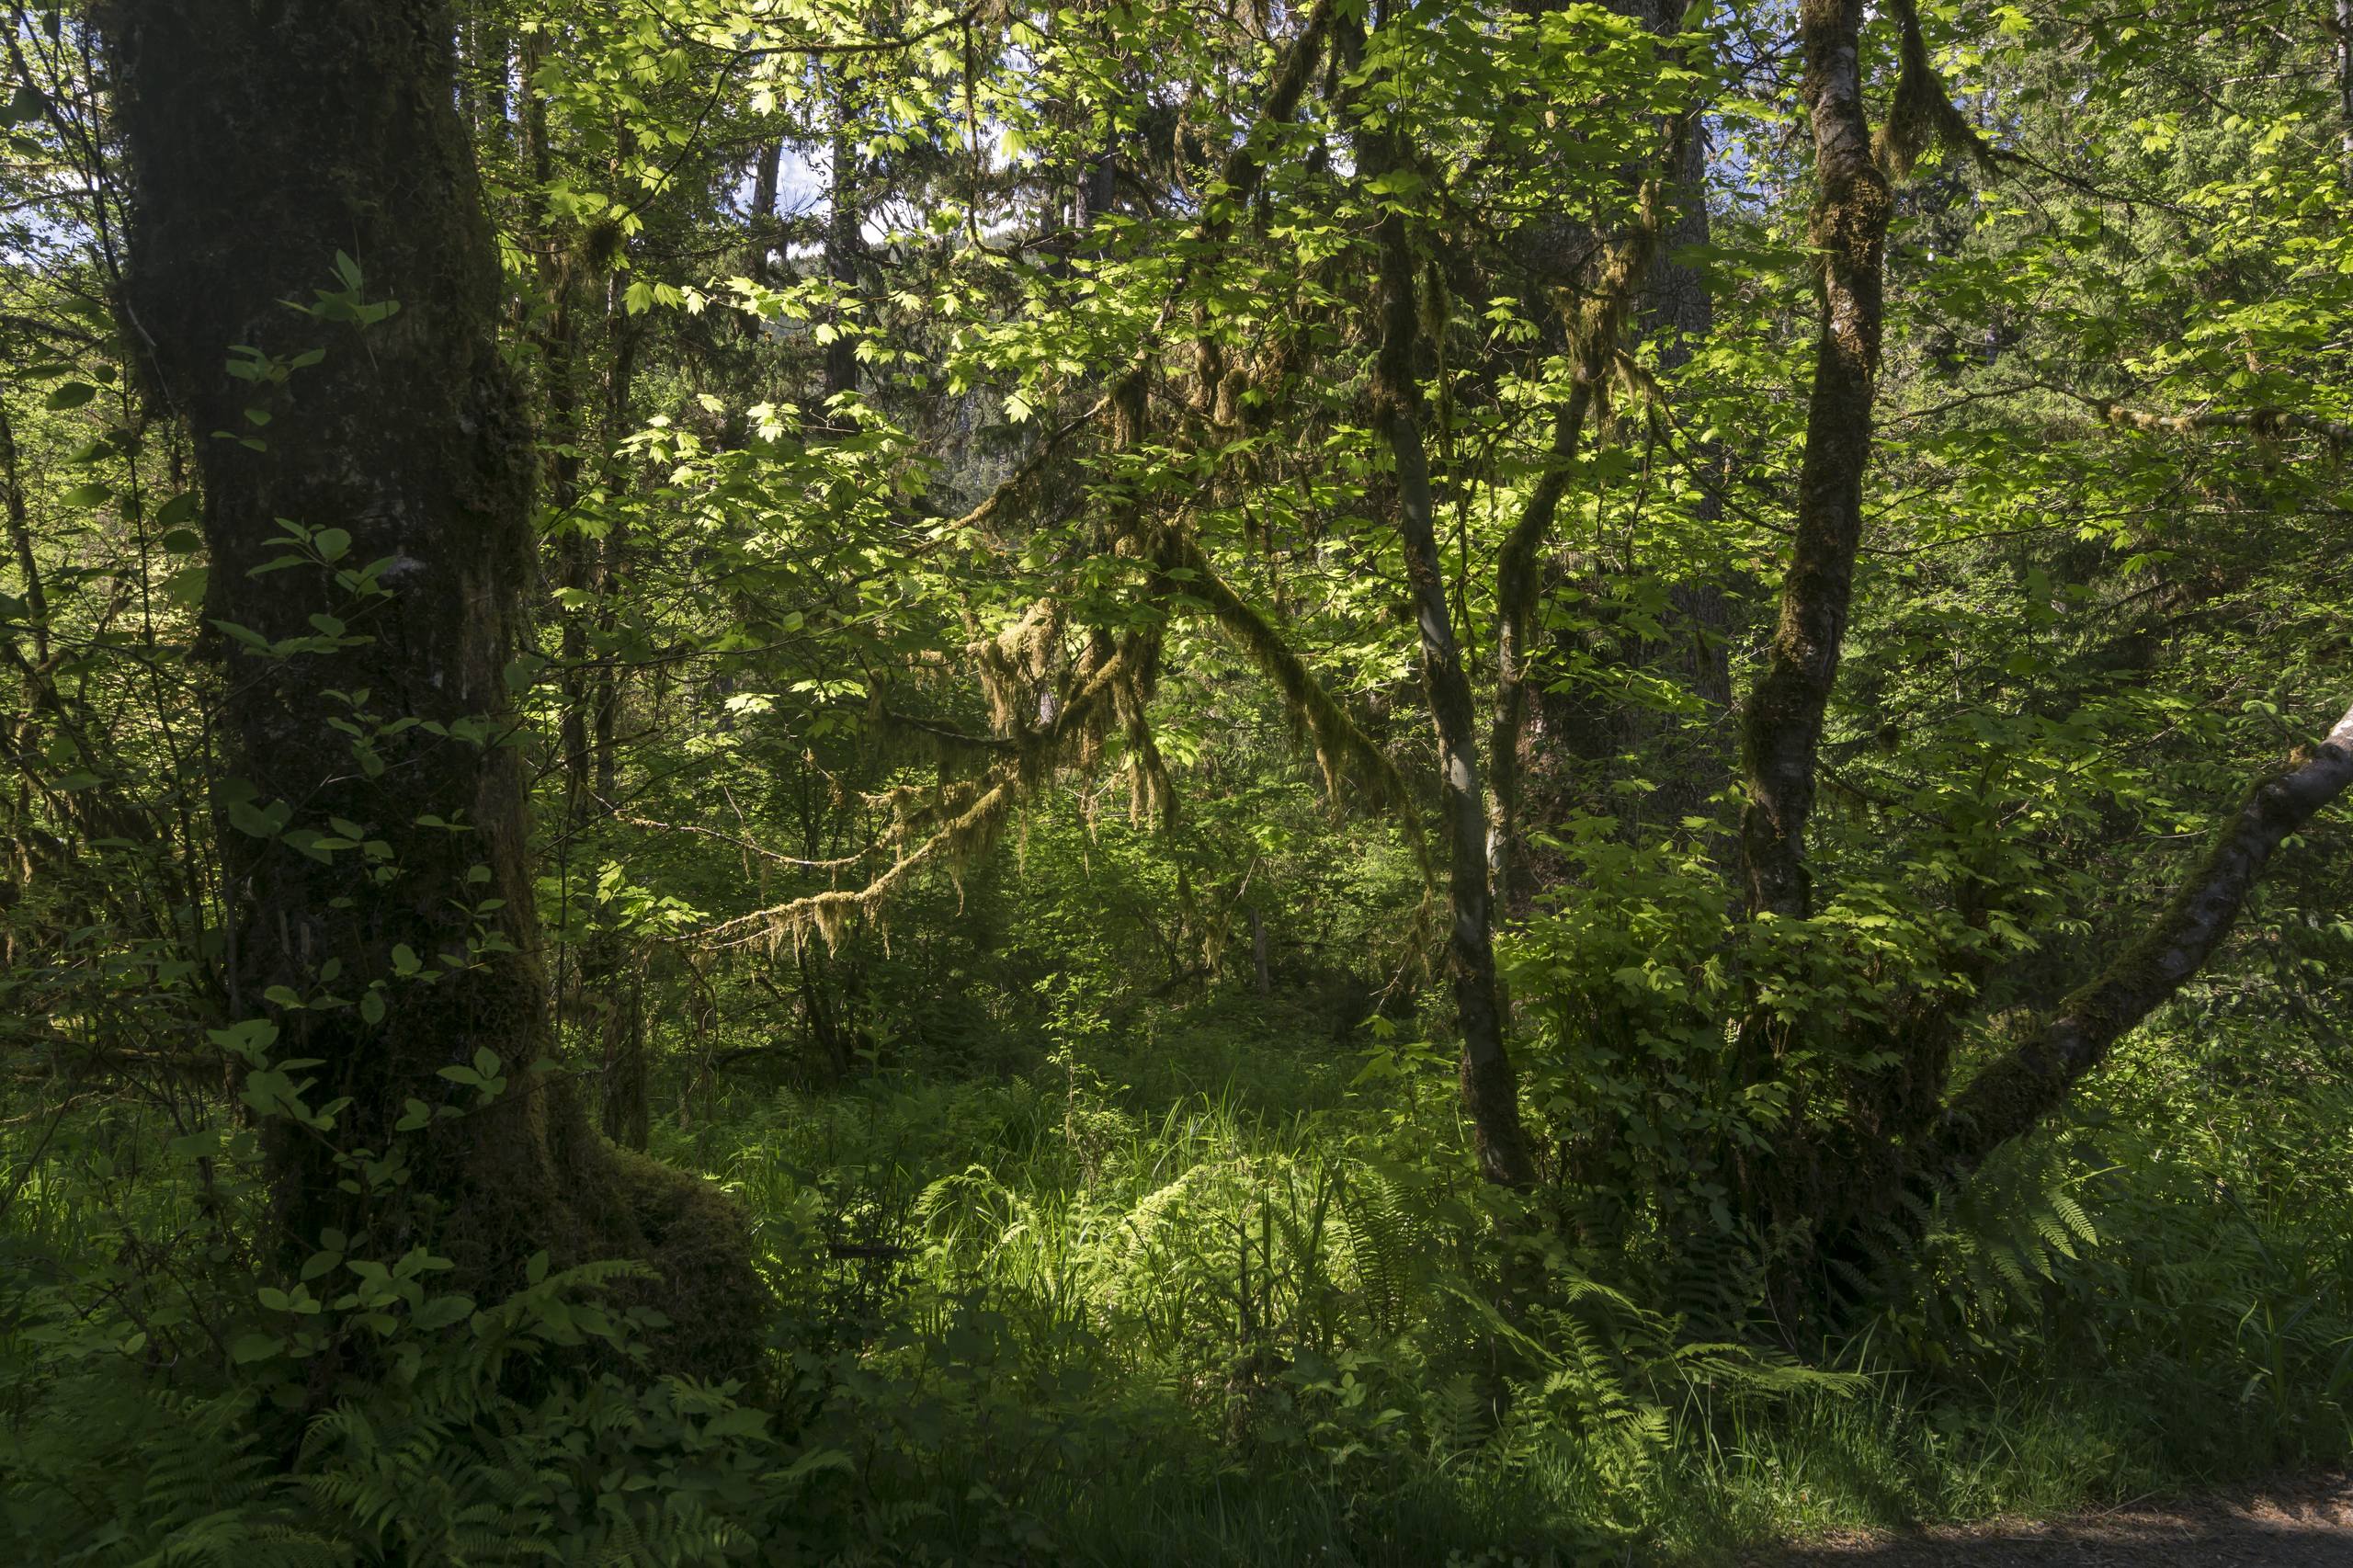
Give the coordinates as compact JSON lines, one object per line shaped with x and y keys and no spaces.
{"x":266,"y":136}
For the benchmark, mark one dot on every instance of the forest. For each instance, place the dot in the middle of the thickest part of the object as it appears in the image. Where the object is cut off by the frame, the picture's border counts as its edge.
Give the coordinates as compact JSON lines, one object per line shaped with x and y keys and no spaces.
{"x":1478,"y":782}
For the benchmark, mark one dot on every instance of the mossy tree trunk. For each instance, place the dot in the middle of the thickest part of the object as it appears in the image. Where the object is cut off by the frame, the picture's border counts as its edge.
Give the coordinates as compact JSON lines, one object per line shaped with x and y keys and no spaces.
{"x":1835,"y":1188}
{"x":265,"y":137}
{"x":1490,"y":1091}
{"x":1852,"y":205}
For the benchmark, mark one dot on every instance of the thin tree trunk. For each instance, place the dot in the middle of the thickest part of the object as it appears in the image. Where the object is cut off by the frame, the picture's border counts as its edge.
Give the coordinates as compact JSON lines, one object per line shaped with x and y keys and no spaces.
{"x":624,"y":1109}
{"x":2345,"y":84}
{"x":844,"y":244}
{"x":607,"y":972}
{"x":33,"y":666}
{"x":482,"y":78}
{"x":1517,"y":585}
{"x":622,"y":339}
{"x":1490,"y":1094}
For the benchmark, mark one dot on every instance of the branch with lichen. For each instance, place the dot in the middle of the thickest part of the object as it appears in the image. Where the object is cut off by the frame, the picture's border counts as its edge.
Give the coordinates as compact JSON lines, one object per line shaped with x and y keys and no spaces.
{"x":2263,"y":422}
{"x":1923,"y":113}
{"x":2012,"y":1095}
{"x":985,"y":804}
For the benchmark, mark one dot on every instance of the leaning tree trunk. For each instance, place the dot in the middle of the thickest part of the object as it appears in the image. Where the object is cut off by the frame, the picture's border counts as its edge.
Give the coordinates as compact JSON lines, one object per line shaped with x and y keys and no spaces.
{"x":2013,"y":1095}
{"x":373,"y":820}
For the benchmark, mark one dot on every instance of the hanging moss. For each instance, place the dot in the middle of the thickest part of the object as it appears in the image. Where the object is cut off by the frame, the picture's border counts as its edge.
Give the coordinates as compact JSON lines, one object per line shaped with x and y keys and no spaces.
{"x":954,"y":840}
{"x":1922,"y":113}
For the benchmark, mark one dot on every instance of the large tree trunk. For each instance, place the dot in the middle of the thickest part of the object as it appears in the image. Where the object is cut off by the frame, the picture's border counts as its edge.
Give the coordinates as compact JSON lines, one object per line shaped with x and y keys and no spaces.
{"x":762,"y":230}
{"x":1634,"y":262}
{"x":1678,"y":314}
{"x":264,"y":139}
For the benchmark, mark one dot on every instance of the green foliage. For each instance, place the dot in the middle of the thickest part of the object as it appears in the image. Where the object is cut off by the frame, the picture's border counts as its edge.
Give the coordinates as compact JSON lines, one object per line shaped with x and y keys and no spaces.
{"x":448,"y":1464}
{"x":1087,"y":1083}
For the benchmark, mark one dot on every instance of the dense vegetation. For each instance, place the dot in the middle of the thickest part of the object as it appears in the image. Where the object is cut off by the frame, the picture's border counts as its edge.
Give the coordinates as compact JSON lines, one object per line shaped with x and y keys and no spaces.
{"x":802,"y":781}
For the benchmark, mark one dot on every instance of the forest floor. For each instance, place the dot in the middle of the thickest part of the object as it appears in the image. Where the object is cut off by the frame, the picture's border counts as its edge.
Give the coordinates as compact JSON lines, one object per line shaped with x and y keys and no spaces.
{"x":2299,"y":1523}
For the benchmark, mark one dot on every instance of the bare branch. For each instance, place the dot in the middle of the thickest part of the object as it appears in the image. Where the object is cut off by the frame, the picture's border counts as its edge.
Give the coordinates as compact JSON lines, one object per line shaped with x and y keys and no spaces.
{"x":746,"y":844}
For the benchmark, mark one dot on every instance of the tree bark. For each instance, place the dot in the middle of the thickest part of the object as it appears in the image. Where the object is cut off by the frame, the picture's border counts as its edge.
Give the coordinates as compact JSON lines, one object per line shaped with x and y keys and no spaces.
{"x":2013,"y":1095}
{"x":1678,"y":314}
{"x":23,"y":730}
{"x":265,"y":139}
{"x":1490,"y":1094}
{"x":1517,"y":592}
{"x":845,"y":242}
{"x":2344,"y":86}
{"x":1783,"y":722}
{"x":1676,"y":303}
{"x":766,"y":179}
{"x":1091,"y":192}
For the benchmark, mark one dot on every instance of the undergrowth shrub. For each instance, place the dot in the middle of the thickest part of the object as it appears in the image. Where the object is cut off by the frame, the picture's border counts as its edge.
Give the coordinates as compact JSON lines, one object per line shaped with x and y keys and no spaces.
{"x":1044,"y":1318}
{"x":475,"y":1451}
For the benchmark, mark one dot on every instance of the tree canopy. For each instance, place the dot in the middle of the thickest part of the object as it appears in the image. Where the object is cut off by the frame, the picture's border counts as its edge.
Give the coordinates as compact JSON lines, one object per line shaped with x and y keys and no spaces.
{"x":682,"y":672}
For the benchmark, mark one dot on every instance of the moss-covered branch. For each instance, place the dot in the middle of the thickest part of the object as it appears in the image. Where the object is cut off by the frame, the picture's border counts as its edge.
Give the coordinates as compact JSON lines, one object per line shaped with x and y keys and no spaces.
{"x":2013,"y":1093}
{"x":979,"y":809}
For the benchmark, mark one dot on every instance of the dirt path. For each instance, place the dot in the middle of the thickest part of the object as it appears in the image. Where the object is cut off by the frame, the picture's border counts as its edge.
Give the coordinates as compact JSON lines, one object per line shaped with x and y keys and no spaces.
{"x":2302,"y":1523}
